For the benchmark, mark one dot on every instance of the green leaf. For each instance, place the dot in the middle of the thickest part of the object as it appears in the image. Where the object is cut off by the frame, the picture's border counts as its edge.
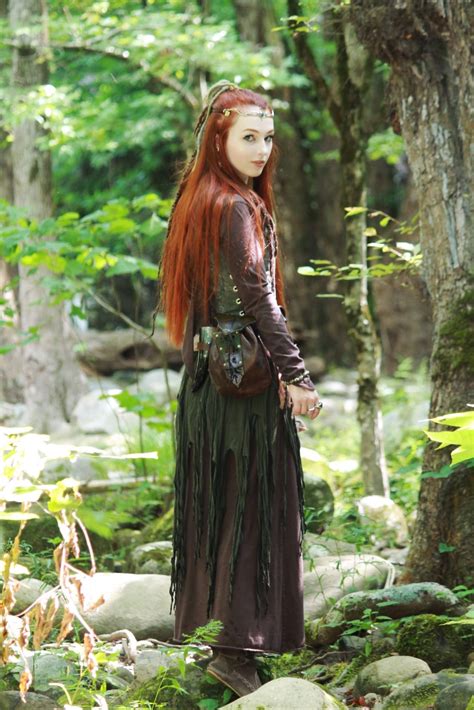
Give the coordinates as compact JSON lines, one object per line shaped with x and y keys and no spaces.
{"x":444,"y":472}
{"x":456,"y":419}
{"x":150,"y":201}
{"x":18,"y":516}
{"x":66,"y":219}
{"x":120,"y":226}
{"x":209,"y":704}
{"x":443,"y":547}
{"x":78,"y":312}
{"x":353,"y":211}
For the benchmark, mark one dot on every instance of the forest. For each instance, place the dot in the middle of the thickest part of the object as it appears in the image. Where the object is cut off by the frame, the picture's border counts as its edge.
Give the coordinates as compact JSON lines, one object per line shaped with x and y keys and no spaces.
{"x":374,"y":191}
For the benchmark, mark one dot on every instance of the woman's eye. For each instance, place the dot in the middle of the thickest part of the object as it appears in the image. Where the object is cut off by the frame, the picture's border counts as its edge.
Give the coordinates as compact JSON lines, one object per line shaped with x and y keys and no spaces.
{"x":249,"y":136}
{"x":269,"y":139}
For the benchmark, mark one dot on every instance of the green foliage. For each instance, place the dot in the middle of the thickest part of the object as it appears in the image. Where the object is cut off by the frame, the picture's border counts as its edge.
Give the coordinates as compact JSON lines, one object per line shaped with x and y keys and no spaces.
{"x":462,"y":438}
{"x":402,"y":256}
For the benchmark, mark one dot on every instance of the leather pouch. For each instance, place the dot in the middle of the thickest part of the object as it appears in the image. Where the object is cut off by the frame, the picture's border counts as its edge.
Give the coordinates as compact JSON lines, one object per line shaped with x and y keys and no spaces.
{"x":238,"y":363}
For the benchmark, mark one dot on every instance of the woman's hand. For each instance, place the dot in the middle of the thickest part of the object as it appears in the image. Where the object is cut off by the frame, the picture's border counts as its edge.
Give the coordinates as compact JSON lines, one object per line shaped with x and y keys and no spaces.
{"x":302,"y":401}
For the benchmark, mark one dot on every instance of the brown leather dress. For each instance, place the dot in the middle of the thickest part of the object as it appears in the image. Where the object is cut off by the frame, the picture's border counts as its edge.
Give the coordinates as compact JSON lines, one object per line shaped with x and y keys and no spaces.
{"x":238,"y":484}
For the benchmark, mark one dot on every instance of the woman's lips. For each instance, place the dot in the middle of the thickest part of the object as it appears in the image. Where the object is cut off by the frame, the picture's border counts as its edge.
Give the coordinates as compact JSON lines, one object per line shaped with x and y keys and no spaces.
{"x":260,"y":163}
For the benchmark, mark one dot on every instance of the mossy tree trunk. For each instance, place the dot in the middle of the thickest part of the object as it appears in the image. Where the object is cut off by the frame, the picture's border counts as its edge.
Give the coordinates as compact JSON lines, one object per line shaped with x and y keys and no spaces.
{"x":347,"y":103}
{"x":51,"y":376}
{"x":429,"y":47}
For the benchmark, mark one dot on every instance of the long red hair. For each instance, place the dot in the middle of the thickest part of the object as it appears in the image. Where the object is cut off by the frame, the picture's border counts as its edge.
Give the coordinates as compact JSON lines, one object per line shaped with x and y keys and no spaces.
{"x":206,"y":189}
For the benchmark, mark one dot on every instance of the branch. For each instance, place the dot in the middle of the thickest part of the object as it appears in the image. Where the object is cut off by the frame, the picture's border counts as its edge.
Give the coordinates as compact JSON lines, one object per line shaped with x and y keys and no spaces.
{"x":309,"y":63}
{"x":155,"y":80}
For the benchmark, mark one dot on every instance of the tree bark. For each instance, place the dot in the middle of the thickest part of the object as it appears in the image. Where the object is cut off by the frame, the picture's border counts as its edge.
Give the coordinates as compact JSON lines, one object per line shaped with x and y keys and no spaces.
{"x":346,"y":102}
{"x":51,"y":376}
{"x":429,"y":47}
{"x":10,"y":377}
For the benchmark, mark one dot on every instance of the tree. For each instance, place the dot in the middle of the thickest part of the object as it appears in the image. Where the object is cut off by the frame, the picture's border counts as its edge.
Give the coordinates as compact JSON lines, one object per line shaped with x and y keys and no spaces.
{"x":51,"y":376}
{"x":428,"y":46}
{"x":347,"y":103}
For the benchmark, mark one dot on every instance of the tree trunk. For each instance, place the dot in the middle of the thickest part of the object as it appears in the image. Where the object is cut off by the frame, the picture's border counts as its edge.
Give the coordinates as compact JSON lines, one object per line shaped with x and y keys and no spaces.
{"x":362,"y":328}
{"x":347,"y":102}
{"x":429,"y":47}
{"x":51,"y":376}
{"x":10,"y":376}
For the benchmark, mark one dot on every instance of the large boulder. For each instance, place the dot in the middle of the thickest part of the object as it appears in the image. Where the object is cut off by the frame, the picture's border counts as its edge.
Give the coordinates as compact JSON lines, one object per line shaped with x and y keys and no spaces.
{"x":385,"y":518}
{"x":28,"y":591}
{"x":137,"y":602}
{"x":457,"y":696}
{"x":334,"y":576}
{"x":285,"y":693}
{"x":99,"y":412}
{"x":381,"y":676}
{"x":395,"y":602}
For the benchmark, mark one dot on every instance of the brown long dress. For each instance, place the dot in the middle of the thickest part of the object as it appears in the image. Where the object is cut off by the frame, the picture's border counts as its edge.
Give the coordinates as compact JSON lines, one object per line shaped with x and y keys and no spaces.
{"x":238,"y":484}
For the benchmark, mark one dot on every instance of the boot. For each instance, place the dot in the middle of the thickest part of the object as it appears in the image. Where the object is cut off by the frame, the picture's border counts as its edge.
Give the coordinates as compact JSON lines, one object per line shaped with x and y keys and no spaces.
{"x":236,"y":671}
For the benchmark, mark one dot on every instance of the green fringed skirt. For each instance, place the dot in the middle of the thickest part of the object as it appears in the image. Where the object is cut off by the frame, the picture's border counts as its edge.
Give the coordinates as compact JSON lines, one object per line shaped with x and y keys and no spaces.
{"x":238,"y":522}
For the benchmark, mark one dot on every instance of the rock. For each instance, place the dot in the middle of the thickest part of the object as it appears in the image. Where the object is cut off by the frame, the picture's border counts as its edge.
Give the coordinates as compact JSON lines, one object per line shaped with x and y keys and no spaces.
{"x":320,"y":499}
{"x":441,"y":645}
{"x":154,"y":381}
{"x":157,"y":553}
{"x":47,"y":667}
{"x":159,"y":529}
{"x":337,"y":575}
{"x":11,"y":700}
{"x":419,"y":694}
{"x":380,"y":676}
{"x":94,"y":414}
{"x":321,"y":546}
{"x":149,"y":662}
{"x":385,"y":517}
{"x":285,"y":693}
{"x":456,"y":696}
{"x":28,"y":591}
{"x":395,"y":602}
{"x":138,"y":602}
{"x":397,"y":556}
{"x":81,"y":469}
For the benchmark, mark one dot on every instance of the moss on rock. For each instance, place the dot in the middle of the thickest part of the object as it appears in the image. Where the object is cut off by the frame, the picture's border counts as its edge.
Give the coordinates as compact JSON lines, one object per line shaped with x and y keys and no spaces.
{"x":418,"y":694}
{"x":428,"y":637}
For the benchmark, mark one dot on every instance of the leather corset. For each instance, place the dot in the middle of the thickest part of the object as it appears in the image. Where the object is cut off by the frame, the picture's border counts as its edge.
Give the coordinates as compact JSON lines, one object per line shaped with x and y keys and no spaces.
{"x":226,"y":305}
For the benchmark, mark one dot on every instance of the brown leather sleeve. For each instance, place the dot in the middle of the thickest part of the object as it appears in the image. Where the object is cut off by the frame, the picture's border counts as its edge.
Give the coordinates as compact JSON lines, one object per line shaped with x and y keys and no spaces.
{"x":240,"y":244}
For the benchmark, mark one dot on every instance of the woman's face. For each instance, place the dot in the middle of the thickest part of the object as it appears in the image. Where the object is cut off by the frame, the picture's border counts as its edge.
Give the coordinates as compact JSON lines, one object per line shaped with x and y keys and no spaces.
{"x":249,"y":142}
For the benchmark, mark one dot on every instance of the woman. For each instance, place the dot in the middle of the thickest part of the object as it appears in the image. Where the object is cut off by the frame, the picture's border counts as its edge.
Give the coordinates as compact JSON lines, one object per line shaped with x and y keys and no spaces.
{"x":239,"y":503}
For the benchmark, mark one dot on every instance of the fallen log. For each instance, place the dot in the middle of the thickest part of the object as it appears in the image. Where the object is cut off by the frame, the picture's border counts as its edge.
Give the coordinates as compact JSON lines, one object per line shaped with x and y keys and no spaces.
{"x":105,"y":352}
